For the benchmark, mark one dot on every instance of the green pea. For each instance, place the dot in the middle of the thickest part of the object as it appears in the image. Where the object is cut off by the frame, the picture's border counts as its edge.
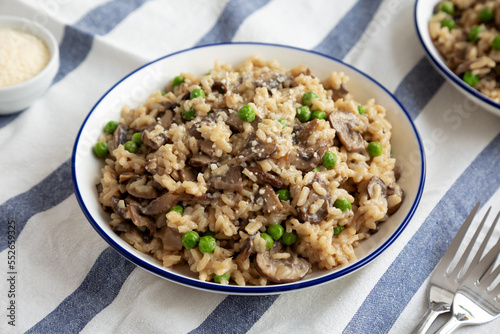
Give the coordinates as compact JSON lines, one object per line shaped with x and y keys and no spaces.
{"x":318,"y":114}
{"x":188,"y":115}
{"x":329,"y":159}
{"x":449,"y":23}
{"x":447,"y":7}
{"x":177,"y":81}
{"x":190,"y":239}
{"x":288,"y":239}
{"x":246,"y":113}
{"x":496,"y":43}
{"x":136,"y":138}
{"x":131,"y":147}
{"x":361,"y":109}
{"x":163,"y":93}
{"x":283,"y":194}
{"x":473,"y":35}
{"x":221,"y":278}
{"x":316,"y":169}
{"x":342,"y":204}
{"x":304,"y":114}
{"x":275,"y":231}
{"x":471,"y":79}
{"x":101,"y":149}
{"x":283,"y":122}
{"x":178,"y":208}
{"x":110,"y":127}
{"x":196,"y":93}
{"x":308,"y":97}
{"x":337,"y":229}
{"x":486,"y":15}
{"x":269,"y":240}
{"x":207,"y":244}
{"x":374,"y":149}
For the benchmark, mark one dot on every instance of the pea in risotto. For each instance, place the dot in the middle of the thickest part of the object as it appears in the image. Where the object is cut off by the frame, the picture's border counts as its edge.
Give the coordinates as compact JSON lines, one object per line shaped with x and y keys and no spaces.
{"x":255,"y":174}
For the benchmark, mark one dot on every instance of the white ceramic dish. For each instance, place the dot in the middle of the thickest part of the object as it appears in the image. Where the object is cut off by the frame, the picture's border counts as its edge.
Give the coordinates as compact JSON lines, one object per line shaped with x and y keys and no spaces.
{"x":423,"y":12}
{"x":20,"y":96}
{"x":135,"y":87}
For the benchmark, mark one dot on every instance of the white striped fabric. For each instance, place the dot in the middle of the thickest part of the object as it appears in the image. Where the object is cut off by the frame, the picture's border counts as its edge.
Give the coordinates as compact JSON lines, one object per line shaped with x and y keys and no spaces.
{"x":69,"y":280}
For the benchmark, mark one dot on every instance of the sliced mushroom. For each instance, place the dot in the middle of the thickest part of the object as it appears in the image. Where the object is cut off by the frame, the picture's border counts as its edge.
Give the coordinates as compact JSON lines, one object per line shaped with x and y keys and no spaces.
{"x":166,"y":120}
{"x":348,"y":128}
{"x":155,"y":142}
{"x":119,"y":207}
{"x":271,"y":201}
{"x":245,"y":253}
{"x":304,"y":211}
{"x":234,"y":122}
{"x":256,"y":150}
{"x":370,"y":188}
{"x":201,"y":160}
{"x":120,"y":135}
{"x":308,"y":130}
{"x":138,"y":187}
{"x":339,"y":93}
{"x":219,"y":87}
{"x":123,"y":227}
{"x":171,"y":239}
{"x":139,"y":220}
{"x":304,"y":159}
{"x":126,"y":176}
{"x":266,"y":178}
{"x":286,"y":270}
{"x":231,"y":180}
{"x":391,"y":190}
{"x":187,"y":174}
{"x":163,"y":203}
{"x":207,"y":147}
{"x":192,"y":131}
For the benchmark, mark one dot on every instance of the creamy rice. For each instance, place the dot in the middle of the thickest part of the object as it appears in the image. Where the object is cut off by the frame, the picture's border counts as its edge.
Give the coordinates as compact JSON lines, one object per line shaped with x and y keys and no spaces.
{"x":236,"y":178}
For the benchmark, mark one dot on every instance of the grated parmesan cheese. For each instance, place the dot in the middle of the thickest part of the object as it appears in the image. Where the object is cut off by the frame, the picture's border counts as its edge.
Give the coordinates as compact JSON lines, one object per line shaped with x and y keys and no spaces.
{"x":22,"y":56}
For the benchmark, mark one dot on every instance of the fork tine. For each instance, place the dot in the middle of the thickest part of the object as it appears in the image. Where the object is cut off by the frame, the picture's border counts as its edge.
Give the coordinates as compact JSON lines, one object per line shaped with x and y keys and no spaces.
{"x":455,"y":244}
{"x":478,"y":271}
{"x":486,"y":240}
{"x":490,"y":276}
{"x":466,"y":254}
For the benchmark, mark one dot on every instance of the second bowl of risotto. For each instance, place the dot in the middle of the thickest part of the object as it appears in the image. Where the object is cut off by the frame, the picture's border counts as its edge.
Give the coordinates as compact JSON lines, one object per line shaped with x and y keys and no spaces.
{"x":248,"y":168}
{"x":462,"y":41}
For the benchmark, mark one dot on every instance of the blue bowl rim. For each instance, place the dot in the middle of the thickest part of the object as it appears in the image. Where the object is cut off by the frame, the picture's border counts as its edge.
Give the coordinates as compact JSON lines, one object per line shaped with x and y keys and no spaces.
{"x":251,"y":290}
{"x":445,"y":70}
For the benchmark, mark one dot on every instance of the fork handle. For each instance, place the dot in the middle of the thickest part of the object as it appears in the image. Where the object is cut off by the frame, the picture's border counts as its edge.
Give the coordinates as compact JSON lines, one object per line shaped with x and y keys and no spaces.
{"x":430,"y":315}
{"x":456,"y":320}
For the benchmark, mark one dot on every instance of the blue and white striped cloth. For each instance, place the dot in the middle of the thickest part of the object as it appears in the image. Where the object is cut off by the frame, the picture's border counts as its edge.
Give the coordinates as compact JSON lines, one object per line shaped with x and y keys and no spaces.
{"x":68,"y":280}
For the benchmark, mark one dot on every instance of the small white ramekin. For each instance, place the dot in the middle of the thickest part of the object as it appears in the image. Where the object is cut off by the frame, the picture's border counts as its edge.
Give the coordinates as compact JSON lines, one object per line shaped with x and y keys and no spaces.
{"x":20,"y":96}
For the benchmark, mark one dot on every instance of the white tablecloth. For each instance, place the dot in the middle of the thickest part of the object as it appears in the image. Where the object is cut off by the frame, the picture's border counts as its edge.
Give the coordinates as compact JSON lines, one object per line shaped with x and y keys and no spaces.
{"x":69,"y":280}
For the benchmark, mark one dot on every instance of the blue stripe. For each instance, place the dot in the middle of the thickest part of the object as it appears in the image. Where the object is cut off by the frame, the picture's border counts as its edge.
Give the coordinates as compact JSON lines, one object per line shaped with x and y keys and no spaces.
{"x":77,"y":39}
{"x":97,"y":291}
{"x":403,"y":278}
{"x":235,"y":12}
{"x":349,"y":30}
{"x":230,"y":317}
{"x":418,"y":87}
{"x":51,"y":191}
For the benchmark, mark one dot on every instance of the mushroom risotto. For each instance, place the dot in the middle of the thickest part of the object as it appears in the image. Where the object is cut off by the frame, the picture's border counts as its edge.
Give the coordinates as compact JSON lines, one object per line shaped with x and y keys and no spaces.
{"x":254,"y":175}
{"x":467,"y":35}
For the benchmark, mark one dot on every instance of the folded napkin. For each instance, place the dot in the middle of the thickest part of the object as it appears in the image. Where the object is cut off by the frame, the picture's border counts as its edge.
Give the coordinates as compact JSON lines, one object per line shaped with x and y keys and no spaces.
{"x":68,"y":280}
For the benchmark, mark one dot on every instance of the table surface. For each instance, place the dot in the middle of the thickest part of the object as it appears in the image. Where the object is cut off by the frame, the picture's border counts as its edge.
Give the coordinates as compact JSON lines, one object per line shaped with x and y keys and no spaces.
{"x":69,"y":280}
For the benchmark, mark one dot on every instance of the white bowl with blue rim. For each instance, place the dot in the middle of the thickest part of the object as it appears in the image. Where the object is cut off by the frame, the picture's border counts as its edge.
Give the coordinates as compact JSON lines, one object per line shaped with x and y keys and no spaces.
{"x":424,"y":9}
{"x":133,"y":90}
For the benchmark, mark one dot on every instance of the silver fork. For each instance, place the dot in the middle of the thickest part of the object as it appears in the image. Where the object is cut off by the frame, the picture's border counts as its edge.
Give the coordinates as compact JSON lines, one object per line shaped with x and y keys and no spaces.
{"x":477,"y":301}
{"x":445,"y":280}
